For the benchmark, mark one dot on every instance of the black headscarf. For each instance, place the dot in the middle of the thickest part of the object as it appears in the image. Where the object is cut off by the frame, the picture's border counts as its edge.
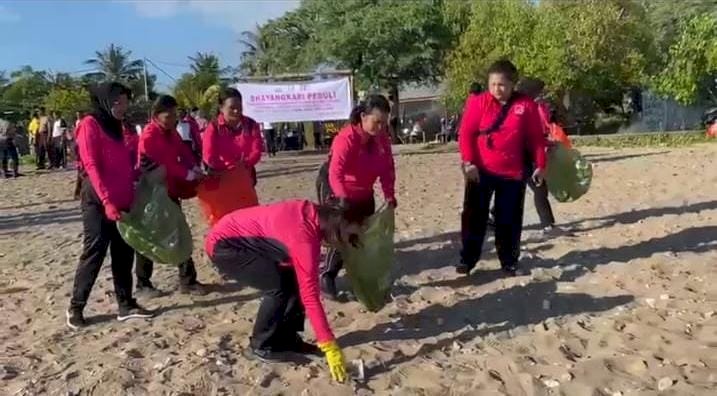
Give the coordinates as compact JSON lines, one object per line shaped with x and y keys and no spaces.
{"x":102,"y":97}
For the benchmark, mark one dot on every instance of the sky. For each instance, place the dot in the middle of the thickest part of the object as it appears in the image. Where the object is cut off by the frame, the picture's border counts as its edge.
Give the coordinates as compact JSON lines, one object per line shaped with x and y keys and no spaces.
{"x":59,"y":35}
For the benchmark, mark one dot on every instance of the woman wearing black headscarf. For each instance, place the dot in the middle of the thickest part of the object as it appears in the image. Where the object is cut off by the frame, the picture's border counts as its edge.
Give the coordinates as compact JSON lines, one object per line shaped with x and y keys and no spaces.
{"x":107,"y":190}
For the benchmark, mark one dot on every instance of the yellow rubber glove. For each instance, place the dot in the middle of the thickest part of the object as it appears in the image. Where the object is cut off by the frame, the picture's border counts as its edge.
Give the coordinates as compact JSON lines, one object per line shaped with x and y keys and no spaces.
{"x":335,"y":359}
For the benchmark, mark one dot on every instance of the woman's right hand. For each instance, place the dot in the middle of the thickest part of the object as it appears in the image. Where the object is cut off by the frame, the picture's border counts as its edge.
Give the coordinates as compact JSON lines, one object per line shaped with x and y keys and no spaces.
{"x":112,"y":212}
{"x":471,"y":173}
{"x":335,"y":360}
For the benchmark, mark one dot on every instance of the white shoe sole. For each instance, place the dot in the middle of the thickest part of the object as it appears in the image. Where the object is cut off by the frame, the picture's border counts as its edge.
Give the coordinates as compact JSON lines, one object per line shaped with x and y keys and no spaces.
{"x":134,"y":316}
{"x":67,"y":321}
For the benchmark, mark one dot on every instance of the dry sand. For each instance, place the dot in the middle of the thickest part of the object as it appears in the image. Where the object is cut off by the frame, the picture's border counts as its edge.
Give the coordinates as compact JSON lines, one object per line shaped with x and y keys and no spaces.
{"x":622,"y":303}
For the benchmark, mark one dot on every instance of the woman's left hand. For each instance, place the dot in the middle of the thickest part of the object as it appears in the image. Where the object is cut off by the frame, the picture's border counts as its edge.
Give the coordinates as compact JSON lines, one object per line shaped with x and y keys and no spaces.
{"x":538,"y":177}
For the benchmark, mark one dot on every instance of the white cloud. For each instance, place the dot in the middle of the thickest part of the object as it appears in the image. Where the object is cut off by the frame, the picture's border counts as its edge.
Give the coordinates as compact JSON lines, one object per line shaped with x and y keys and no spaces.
{"x":7,"y":15}
{"x":239,"y":15}
{"x":157,"y":9}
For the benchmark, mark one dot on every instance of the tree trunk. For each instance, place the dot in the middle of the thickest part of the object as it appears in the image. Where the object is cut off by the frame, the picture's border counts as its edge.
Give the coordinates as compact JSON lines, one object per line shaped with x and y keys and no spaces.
{"x":395,"y":112}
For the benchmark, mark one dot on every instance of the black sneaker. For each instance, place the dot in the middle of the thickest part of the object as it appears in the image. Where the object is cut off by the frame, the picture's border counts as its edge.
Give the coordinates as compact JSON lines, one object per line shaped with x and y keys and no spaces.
{"x":134,"y":311}
{"x":328,"y":287}
{"x":148,"y":291}
{"x":304,"y":348}
{"x":513,"y":270}
{"x":268,"y":356}
{"x":463,"y":268}
{"x":75,"y":319}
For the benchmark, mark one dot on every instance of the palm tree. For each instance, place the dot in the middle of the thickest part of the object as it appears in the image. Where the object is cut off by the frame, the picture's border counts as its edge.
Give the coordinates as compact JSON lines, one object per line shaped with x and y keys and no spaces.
{"x":59,"y":79}
{"x":255,"y":46}
{"x":115,"y":63}
{"x":205,"y":63}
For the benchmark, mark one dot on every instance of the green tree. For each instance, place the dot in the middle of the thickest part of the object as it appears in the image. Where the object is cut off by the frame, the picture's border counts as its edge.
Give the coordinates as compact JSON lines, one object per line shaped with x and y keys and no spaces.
{"x":282,"y":45}
{"x":67,"y":101}
{"x":26,"y":90}
{"x":116,"y":64}
{"x":255,"y":45}
{"x":667,"y":16}
{"x":592,"y":48}
{"x":200,"y":88}
{"x":690,"y":75}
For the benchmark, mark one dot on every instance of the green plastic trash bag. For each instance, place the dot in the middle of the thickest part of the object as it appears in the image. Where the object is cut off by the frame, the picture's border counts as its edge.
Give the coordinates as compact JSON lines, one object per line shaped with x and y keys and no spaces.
{"x":155,"y":226}
{"x":369,"y":265}
{"x":568,"y":174}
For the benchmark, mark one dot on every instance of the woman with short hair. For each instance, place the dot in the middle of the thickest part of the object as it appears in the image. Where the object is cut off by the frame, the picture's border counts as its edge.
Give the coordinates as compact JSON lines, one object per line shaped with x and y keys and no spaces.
{"x":500,"y":133}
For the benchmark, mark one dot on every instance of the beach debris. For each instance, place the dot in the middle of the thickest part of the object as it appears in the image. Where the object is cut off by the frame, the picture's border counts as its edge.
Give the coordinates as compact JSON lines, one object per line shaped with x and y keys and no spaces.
{"x":664,"y":383}
{"x":359,"y":369}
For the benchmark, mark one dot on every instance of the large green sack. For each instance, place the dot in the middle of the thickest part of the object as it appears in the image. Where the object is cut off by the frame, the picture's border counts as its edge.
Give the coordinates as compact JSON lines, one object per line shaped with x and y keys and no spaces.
{"x":155,"y":226}
{"x":369,"y":265}
{"x":568,"y":174}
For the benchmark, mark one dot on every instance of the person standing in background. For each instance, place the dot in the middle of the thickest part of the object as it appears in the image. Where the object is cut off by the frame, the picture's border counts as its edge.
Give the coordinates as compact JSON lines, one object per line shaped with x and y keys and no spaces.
{"x":269,"y":138}
{"x":8,"y":149}
{"x":500,"y":131}
{"x":32,"y":128}
{"x":107,"y":191}
{"x":201,"y":121}
{"x":58,"y":141}
{"x":42,"y":138}
{"x":195,"y":134}
{"x":232,"y":139}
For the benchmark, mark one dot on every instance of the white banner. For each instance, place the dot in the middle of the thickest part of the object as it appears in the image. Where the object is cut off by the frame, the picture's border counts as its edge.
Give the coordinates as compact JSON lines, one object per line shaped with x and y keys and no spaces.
{"x":297,"y":101}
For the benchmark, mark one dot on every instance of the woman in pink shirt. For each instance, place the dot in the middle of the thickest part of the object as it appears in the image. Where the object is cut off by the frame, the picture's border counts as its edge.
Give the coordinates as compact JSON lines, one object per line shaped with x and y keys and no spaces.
{"x":275,"y":248}
{"x":232,"y":139}
{"x":107,"y":191}
{"x":360,"y":155}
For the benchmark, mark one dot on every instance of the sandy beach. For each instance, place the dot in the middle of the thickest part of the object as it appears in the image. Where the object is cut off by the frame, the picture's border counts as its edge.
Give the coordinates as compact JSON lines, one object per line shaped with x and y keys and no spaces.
{"x":621,"y":302}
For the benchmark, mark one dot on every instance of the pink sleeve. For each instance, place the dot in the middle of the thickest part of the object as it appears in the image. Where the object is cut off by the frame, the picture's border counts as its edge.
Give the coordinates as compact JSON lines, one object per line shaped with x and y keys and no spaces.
{"x":388,"y":174}
{"x":340,"y":149}
{"x":470,"y":126}
{"x":305,"y":256}
{"x":256,"y":146}
{"x":210,"y":151}
{"x":536,"y":136}
{"x":91,"y":156}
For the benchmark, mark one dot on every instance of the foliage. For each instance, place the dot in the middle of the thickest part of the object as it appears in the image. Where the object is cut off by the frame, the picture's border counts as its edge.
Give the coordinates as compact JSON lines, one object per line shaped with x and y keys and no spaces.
{"x":67,"y":101}
{"x":597,"y":48}
{"x":115,"y":63}
{"x":666,"y":17}
{"x":282,"y":45}
{"x":385,"y":43}
{"x":618,"y":141}
{"x":200,"y":88}
{"x":690,"y":74}
{"x":25,"y":91}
